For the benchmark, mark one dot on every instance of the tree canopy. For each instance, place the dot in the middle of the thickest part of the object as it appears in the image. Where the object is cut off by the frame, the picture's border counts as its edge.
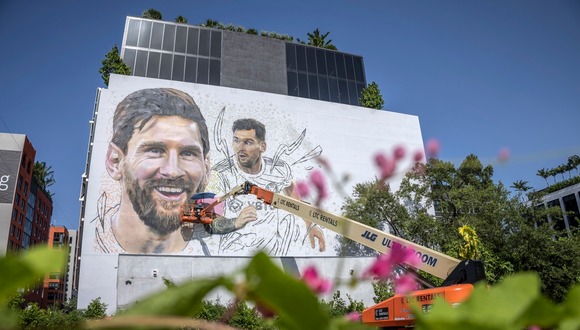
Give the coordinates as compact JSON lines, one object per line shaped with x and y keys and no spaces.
{"x":152,"y":14}
{"x":113,"y":64}
{"x":436,"y":199}
{"x":371,"y":97}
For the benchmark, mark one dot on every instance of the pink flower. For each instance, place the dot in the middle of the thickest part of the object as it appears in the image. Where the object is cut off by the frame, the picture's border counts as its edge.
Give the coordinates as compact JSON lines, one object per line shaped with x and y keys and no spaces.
{"x":399,"y":153}
{"x":402,"y":255}
{"x":503,"y":155}
{"x":381,"y":268}
{"x":317,"y":180}
{"x":433,"y":148}
{"x":384,"y":263}
{"x":418,"y":156}
{"x":353,"y":316}
{"x":315,"y":282}
{"x":302,"y":189}
{"x":405,"y":284}
{"x":386,"y":166}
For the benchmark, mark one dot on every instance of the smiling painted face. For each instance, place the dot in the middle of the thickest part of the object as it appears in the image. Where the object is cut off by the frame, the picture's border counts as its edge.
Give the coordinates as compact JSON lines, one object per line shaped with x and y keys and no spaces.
{"x":163,"y":167}
{"x":248,"y":149}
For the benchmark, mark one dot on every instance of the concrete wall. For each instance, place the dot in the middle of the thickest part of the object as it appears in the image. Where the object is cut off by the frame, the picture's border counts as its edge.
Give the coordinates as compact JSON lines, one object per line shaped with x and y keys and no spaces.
{"x":141,"y":275}
{"x":254,"y":63}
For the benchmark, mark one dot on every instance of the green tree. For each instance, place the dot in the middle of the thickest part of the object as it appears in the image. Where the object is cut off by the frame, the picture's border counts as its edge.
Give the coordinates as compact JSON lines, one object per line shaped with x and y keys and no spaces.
{"x":152,"y":14}
{"x":113,"y":64}
{"x":318,"y":39}
{"x":96,"y":309}
{"x":44,"y":175}
{"x":181,"y":19}
{"x":574,"y":162}
{"x":373,"y":204}
{"x":371,"y":97}
{"x":545,"y":174}
{"x":508,"y":238}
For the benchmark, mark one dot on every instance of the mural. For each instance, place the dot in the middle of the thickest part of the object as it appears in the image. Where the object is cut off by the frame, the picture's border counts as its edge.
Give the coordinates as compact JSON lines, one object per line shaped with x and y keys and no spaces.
{"x":155,"y":146}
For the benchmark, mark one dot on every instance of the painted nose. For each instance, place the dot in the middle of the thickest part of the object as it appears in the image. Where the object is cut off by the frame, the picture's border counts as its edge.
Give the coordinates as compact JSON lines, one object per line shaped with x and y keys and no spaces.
{"x":171,"y":168}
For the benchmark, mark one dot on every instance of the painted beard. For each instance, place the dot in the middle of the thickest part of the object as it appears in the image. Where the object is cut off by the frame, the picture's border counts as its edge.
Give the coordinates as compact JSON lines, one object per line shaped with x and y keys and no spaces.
{"x":163,"y":217}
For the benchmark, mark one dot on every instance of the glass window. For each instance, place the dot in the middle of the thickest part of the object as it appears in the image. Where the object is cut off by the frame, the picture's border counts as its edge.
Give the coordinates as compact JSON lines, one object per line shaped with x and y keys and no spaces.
{"x":25,"y":190}
{"x":323,"y":88}
{"x":340,"y":69}
{"x":153,"y":65}
{"x":573,"y":213}
{"x":140,"y":64}
{"x":352,"y":94}
{"x":349,"y":67}
{"x":292,"y":84}
{"x":333,"y":89}
{"x":330,"y":64}
{"x":12,"y":230}
{"x":313,"y":87}
{"x":216,"y":44}
{"x":19,"y":182}
{"x":302,"y":85}
{"x":178,"y":67}
{"x":14,"y":214}
{"x":180,"y":39}
{"x":301,"y":58}
{"x":192,"y":38}
{"x":321,"y":61}
{"x":204,"y":42}
{"x":166,"y":64}
{"x":133,"y":32}
{"x":343,"y":91}
{"x":168,"y":37}
{"x":359,"y":89}
{"x":202,"y":70}
{"x":157,"y":35}
{"x":358,"y":68}
{"x":311,"y":60}
{"x":290,"y":57}
{"x":214,"y":72}
{"x":129,"y":58}
{"x":190,"y":68}
{"x":144,"y":34}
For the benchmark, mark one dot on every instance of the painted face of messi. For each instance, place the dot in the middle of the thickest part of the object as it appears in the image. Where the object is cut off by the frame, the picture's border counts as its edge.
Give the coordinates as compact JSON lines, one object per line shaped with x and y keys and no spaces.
{"x":163,"y":167}
{"x":248,"y":150}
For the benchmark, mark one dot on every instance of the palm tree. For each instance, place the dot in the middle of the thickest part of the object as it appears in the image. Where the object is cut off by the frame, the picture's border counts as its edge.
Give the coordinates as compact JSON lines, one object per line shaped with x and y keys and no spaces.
{"x":43,"y":174}
{"x":521,"y":185}
{"x":560,"y":170}
{"x":574,"y":162}
{"x":181,"y":19}
{"x":544,"y":173}
{"x":552,"y":173}
{"x":319,"y":40}
{"x":152,"y":14}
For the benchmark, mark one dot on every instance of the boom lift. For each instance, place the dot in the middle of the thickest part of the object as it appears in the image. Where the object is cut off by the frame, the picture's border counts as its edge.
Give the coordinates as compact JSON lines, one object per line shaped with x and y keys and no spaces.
{"x":394,"y":312}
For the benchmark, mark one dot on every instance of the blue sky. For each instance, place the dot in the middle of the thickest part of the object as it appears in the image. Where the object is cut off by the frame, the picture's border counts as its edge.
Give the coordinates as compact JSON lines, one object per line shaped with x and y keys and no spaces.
{"x":480,"y":75}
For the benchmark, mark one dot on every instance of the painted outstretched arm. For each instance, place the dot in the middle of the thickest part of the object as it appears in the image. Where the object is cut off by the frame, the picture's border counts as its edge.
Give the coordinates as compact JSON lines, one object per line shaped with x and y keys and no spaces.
{"x":313,"y":231}
{"x":222,"y":225}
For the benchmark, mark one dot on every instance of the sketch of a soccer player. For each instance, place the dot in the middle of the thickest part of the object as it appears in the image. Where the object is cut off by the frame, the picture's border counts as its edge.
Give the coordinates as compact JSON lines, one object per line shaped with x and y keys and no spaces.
{"x":275,"y":231}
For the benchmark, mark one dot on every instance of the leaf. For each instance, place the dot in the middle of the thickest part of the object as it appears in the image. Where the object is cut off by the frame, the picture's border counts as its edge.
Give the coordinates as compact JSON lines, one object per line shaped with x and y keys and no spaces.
{"x":28,"y":269}
{"x":503,"y":306}
{"x":290,"y":298}
{"x":181,"y":300}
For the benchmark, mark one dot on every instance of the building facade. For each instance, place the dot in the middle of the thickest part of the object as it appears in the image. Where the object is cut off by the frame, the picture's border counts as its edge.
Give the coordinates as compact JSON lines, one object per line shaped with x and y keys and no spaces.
{"x":306,"y":97}
{"x":25,"y":207}
{"x":180,"y":52}
{"x":568,"y":200}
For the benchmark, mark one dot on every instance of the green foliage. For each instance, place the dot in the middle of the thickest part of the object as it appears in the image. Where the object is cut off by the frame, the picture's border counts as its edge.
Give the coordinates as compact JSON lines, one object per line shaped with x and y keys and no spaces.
{"x":113,"y":64}
{"x":210,"y":311}
{"x":152,"y":14}
{"x":371,"y":97}
{"x":376,"y":206}
{"x":338,"y":307}
{"x":515,"y":303}
{"x":317,"y":39}
{"x":44,"y":175}
{"x":383,"y":290}
{"x":245,"y":317}
{"x":96,"y":309}
{"x":181,"y":19}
